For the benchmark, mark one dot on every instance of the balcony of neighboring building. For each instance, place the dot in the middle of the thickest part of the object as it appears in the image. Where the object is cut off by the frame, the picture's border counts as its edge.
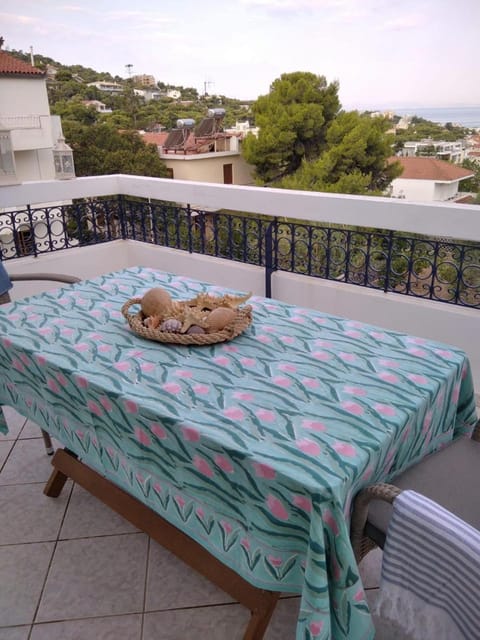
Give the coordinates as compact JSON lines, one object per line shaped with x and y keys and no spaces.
{"x":29,"y":131}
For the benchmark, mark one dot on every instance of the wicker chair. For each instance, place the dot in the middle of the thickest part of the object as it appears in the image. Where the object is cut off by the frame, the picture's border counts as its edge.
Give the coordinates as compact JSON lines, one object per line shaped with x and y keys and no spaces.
{"x":4,"y":298}
{"x":450,"y":477}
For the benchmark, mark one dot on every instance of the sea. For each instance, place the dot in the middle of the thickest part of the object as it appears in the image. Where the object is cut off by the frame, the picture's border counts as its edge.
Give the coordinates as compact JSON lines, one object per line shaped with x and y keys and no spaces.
{"x":464,"y":116}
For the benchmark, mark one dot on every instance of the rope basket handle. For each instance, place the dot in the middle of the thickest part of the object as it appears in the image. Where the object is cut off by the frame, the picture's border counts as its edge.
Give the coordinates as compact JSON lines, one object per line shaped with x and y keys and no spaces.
{"x":128,"y":304}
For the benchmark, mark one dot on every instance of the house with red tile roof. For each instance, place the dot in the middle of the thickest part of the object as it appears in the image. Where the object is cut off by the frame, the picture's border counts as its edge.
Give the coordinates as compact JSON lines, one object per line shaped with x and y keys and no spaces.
{"x":203,"y":153}
{"x":428,"y":179}
{"x":29,"y":135}
{"x":32,"y":148}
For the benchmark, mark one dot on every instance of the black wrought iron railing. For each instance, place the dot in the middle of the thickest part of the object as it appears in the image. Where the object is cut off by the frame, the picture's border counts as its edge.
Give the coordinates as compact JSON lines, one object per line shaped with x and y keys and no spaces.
{"x":439,"y":269}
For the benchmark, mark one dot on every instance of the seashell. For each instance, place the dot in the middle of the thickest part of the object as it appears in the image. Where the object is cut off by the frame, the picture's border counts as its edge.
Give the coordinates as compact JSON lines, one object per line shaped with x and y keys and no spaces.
{"x":152,"y":322}
{"x":219,"y":318}
{"x":155,"y":302}
{"x":171,"y":325}
{"x":195,"y":329}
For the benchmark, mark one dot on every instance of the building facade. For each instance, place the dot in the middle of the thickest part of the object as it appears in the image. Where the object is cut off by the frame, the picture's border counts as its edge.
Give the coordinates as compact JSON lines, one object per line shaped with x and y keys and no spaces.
{"x":32,"y":148}
{"x":428,"y":180}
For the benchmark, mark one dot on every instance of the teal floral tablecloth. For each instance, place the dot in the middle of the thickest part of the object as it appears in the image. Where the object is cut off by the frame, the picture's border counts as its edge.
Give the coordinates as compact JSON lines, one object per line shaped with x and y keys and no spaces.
{"x":255,"y":447}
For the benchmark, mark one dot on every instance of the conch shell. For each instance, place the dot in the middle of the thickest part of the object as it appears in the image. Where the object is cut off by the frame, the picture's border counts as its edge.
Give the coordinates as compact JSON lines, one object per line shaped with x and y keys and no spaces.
{"x":155,"y":302}
{"x":218,"y":319}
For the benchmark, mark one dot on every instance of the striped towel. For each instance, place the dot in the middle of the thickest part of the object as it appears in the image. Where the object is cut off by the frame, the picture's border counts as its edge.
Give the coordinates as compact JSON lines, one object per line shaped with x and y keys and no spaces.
{"x":430,"y":586}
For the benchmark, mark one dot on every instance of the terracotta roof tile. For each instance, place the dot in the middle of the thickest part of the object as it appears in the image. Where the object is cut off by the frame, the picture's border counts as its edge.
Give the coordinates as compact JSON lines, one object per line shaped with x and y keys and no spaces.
{"x":431,"y":169}
{"x":155,"y":138}
{"x":9,"y":65}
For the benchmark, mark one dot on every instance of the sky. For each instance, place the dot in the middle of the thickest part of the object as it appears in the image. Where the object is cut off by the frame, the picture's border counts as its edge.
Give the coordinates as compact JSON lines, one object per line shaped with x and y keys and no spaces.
{"x":383,"y":53}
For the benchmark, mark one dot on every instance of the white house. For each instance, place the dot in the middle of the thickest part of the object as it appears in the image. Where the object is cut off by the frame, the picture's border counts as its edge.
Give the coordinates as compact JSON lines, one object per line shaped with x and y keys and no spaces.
{"x":224,"y":164}
{"x":32,"y":148}
{"x":100,"y":107}
{"x":441,"y":149}
{"x":428,"y":180}
{"x":109,"y":87}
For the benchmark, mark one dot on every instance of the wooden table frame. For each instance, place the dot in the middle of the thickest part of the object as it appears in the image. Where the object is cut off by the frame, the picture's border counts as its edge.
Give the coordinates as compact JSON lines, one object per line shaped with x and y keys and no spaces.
{"x":260,"y":602}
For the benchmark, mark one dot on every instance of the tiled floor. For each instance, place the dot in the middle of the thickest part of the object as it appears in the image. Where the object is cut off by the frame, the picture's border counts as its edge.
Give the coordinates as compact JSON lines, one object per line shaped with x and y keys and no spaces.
{"x":71,"y":569}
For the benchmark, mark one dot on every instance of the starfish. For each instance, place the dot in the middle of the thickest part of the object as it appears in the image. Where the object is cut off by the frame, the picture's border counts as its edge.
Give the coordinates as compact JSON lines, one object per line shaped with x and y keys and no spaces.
{"x":193,"y":316}
{"x":206,"y":301}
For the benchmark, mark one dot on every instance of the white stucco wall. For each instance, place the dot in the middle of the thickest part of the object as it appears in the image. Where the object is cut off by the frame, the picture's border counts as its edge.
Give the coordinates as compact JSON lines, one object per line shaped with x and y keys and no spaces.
{"x":36,"y":164}
{"x":417,"y":190}
{"x":423,"y":190}
{"x":209,"y":167}
{"x":23,"y":96}
{"x":25,"y":112}
{"x":445,"y":190}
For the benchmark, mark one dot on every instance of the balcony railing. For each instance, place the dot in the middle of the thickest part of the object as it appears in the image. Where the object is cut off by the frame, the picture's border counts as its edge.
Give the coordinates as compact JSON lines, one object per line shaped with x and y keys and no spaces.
{"x":310,"y":247}
{"x":432,"y":268}
{"x":20,"y":122}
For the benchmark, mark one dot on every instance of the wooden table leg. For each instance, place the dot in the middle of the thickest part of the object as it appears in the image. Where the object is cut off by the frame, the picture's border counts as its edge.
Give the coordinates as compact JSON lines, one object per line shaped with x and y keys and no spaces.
{"x":260,"y":617}
{"x":260,"y":602}
{"x":55,"y":484}
{"x":57,"y":479}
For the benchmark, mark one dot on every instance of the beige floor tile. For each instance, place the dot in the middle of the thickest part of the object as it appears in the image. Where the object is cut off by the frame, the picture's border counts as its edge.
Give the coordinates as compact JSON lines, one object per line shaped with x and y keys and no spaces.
{"x":27,"y":463}
{"x":30,"y":430}
{"x":14,"y":633}
{"x":23,"y":568}
{"x":172,"y":584}
{"x":110,"y":628}
{"x":14,"y":421}
{"x":5,"y":448}
{"x":87,"y":516}
{"x":95,"y":577}
{"x":27,"y":515}
{"x":225,"y":622}
{"x":284,"y":620}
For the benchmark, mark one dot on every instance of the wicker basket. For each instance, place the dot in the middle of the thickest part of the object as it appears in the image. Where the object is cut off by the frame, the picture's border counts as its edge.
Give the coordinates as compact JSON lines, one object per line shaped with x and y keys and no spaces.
{"x":242,"y":320}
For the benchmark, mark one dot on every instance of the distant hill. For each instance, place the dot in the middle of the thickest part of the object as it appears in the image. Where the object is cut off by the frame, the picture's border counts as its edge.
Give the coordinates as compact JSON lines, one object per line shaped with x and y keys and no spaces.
{"x":87,"y":74}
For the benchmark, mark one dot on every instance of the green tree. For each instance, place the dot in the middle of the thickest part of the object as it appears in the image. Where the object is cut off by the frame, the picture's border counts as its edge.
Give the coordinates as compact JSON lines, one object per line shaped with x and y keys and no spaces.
{"x":355,"y":161}
{"x":420,"y":129}
{"x":75,"y":110}
{"x":100,"y":149}
{"x":471,"y":184}
{"x":293,"y":119}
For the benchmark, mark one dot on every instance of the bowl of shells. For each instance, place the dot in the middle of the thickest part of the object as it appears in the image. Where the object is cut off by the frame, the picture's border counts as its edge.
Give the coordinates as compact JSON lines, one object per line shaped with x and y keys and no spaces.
{"x":205,"y":319}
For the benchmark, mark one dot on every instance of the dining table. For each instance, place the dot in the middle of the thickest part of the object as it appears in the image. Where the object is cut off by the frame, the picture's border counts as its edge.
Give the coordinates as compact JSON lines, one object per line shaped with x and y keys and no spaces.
{"x":252,"y":448}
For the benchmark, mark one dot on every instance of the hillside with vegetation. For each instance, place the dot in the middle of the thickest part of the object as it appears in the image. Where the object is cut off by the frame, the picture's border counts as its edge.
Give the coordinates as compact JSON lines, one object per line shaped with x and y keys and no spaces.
{"x":306,"y":140}
{"x":105,"y":143}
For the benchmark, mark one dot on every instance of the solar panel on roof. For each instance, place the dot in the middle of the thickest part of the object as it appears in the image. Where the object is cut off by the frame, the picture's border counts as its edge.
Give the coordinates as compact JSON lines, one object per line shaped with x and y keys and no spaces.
{"x":175,"y":139}
{"x":205,"y":128}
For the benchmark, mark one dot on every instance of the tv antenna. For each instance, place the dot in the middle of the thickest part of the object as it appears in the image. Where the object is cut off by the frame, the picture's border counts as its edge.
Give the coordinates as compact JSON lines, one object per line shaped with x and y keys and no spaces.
{"x":206,"y":84}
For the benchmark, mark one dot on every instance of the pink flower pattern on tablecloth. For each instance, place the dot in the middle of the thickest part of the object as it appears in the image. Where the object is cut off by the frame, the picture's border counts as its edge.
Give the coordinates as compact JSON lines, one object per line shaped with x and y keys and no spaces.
{"x":272,"y":426}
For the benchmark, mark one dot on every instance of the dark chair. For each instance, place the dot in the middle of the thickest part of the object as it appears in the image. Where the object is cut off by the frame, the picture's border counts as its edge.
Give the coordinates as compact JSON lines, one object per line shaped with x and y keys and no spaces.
{"x":450,"y":477}
{"x":4,"y":298}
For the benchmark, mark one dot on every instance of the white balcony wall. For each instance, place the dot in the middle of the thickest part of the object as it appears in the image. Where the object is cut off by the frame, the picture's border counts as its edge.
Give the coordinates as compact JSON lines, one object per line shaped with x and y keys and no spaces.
{"x":26,"y":138}
{"x":36,"y":164}
{"x":439,"y":321}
